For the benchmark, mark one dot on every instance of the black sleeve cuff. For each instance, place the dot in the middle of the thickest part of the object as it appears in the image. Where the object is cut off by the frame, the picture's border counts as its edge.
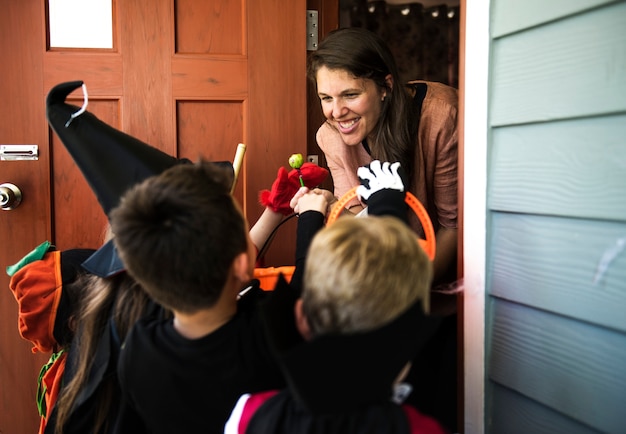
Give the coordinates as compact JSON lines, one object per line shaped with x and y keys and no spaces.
{"x":309,"y":223}
{"x":388,"y":202}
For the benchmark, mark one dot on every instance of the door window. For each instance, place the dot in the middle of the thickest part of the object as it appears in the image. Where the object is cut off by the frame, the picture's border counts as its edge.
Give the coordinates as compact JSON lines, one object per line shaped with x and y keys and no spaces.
{"x":80,"y":24}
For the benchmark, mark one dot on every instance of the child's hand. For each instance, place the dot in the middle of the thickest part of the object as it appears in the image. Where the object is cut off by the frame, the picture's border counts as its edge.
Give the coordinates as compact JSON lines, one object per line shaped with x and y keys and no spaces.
{"x":382,"y":189}
{"x":377,"y":177}
{"x":307,"y":200}
{"x":294,"y":200}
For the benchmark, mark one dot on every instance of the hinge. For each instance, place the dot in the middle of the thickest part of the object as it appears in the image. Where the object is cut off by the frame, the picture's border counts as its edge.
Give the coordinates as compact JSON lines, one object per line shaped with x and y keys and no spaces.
{"x":312,"y":34}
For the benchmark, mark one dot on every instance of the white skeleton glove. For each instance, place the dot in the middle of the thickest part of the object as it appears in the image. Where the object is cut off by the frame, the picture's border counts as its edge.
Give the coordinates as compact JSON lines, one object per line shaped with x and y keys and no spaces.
{"x":378,"y":176}
{"x":382,"y":189}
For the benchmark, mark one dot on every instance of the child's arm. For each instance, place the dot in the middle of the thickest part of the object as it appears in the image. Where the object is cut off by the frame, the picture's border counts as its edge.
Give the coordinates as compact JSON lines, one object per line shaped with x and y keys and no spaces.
{"x":262,"y":229}
{"x":278,"y":200}
{"x":311,"y":207}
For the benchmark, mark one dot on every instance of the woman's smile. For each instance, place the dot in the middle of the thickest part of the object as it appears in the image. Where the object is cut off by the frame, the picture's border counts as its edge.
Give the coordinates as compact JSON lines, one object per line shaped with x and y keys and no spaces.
{"x":346,"y":127}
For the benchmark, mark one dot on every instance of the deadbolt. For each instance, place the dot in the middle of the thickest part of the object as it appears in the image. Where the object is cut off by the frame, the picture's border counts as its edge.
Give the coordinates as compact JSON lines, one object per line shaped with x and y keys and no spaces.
{"x":10,"y":196}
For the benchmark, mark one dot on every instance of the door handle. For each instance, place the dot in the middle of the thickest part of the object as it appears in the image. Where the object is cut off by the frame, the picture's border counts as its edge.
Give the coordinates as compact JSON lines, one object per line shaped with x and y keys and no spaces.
{"x":10,"y":196}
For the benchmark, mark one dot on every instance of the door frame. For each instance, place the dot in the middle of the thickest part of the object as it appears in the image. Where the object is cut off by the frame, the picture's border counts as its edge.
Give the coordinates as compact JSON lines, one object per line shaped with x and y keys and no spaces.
{"x":473,"y":140}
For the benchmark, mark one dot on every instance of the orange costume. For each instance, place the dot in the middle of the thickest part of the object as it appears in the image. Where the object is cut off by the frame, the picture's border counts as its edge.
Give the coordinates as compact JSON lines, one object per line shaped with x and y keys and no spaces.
{"x":45,"y":309}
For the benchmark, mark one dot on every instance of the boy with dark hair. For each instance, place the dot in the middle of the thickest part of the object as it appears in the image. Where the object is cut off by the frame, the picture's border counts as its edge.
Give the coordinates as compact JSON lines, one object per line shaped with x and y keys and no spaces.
{"x":183,"y":237}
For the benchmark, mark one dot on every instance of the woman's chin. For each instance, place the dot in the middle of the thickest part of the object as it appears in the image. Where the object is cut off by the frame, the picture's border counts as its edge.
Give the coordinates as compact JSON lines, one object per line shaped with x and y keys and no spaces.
{"x":351,"y":139}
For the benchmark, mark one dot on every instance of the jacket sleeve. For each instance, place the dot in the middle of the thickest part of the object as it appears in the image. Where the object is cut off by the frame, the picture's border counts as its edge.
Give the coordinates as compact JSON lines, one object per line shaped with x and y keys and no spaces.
{"x":308,"y":224}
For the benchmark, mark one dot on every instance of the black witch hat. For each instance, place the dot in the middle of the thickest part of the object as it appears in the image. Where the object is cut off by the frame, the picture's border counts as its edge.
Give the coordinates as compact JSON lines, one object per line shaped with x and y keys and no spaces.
{"x":111,"y":161}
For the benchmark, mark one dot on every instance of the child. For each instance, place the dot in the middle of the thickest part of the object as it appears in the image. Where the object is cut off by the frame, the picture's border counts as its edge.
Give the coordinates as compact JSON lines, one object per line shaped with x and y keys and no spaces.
{"x":183,"y":237}
{"x":114,"y":301}
{"x":47,"y":286}
{"x":362,"y":312}
{"x":90,"y":398}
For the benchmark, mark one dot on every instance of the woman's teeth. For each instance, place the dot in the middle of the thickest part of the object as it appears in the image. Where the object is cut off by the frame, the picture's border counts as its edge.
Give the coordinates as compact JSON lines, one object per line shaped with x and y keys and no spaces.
{"x":348,"y":124}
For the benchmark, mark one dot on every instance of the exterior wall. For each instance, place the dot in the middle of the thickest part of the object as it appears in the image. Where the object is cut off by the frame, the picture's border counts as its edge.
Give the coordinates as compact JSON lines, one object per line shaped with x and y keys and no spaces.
{"x":555,"y":354}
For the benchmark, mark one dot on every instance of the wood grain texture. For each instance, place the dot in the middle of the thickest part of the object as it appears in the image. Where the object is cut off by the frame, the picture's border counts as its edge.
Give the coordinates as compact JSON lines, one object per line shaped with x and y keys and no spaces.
{"x":215,"y":76}
{"x":22,"y":121}
{"x":210,"y":130}
{"x":571,"y":168}
{"x":100,"y":70}
{"x":277,"y":93}
{"x":566,"y":266}
{"x":572,"y":68}
{"x":221,"y":21}
{"x":147,"y":47}
{"x":572,"y":367}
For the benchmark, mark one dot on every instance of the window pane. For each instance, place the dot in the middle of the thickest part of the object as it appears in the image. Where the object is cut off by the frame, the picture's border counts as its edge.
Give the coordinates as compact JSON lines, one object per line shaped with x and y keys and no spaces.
{"x":81,"y":24}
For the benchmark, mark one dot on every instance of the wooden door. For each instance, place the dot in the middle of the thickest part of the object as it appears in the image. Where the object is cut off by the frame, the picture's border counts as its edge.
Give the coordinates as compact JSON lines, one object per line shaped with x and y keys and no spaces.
{"x":190,"y":77}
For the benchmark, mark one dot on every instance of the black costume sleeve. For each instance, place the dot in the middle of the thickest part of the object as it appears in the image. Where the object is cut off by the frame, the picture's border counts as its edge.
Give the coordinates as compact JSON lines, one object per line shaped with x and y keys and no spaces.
{"x":309,"y":223}
{"x":388,"y":202}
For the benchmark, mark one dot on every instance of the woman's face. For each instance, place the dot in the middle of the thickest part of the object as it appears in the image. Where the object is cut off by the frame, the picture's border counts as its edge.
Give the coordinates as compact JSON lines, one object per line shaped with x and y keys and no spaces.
{"x":351,"y":105}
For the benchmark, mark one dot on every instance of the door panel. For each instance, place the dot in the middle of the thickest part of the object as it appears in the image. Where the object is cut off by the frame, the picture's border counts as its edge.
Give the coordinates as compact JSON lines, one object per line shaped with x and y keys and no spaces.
{"x":222,"y":24}
{"x":70,"y":193}
{"x":190,"y":77}
{"x":22,"y":121}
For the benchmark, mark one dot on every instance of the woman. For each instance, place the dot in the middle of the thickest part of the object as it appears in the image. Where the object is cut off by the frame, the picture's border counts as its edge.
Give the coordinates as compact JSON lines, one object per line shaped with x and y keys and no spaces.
{"x":370,"y":115}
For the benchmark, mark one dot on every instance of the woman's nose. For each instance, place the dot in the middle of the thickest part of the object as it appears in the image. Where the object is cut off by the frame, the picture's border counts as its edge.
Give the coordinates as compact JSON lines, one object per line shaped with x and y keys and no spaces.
{"x":338,"y":109}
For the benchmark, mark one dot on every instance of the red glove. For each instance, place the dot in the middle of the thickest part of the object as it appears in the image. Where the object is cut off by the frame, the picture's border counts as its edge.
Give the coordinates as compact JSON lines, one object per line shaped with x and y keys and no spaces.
{"x":287,"y":185}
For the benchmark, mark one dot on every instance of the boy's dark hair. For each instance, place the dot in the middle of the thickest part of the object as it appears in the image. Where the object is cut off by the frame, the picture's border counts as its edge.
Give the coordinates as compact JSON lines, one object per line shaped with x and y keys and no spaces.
{"x":179,"y":232}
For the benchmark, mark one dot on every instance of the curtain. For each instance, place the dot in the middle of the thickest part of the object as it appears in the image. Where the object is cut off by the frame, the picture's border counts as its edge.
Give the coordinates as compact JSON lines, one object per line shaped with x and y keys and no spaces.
{"x":424,"y":40}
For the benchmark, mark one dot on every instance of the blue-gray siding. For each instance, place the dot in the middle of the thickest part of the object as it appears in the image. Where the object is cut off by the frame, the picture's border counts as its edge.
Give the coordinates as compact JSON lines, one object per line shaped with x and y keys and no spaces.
{"x":556,"y":197}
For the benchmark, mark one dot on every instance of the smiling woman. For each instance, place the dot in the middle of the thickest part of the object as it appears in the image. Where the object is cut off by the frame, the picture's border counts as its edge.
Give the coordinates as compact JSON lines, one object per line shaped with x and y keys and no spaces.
{"x":371,"y":114}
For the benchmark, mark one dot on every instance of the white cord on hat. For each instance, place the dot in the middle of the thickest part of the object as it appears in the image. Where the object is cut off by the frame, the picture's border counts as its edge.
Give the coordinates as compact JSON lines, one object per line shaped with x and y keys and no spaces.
{"x":82,"y":109}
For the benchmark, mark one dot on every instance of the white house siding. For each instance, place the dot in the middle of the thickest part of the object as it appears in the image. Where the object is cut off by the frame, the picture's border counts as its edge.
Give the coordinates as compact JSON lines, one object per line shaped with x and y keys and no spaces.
{"x":555,"y":355}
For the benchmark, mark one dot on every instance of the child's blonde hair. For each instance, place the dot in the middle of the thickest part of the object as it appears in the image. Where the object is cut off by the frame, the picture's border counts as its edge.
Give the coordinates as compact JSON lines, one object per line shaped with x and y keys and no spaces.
{"x":362,"y":273}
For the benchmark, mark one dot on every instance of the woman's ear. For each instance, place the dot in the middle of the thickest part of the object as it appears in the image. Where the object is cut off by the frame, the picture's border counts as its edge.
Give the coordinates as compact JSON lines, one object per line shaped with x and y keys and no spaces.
{"x":388,"y":87}
{"x":389,"y":81}
{"x":302,"y":324}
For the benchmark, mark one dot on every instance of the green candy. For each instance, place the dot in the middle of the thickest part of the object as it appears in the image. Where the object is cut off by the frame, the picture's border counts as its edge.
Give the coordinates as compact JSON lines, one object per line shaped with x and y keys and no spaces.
{"x":296,"y":161}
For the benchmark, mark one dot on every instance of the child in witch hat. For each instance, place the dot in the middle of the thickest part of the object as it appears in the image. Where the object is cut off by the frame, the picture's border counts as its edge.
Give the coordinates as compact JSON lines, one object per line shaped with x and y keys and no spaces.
{"x":47,"y":287}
